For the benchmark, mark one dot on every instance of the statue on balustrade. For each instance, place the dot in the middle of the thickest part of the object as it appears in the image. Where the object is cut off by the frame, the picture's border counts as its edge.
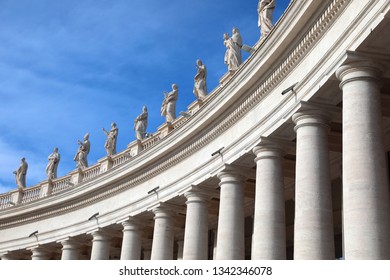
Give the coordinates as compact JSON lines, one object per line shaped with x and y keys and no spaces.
{"x":141,"y":124}
{"x":112,"y":136}
{"x":232,"y":54}
{"x":20,"y":174}
{"x":265,"y":10}
{"x":51,"y":167}
{"x":168,"y":107}
{"x":200,"y":87}
{"x":82,"y":153}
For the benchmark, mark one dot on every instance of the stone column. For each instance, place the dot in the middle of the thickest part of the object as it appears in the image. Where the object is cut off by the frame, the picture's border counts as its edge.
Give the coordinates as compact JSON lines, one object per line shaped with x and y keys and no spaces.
{"x":162,"y":247}
{"x":70,"y":249}
{"x":365,"y":186}
{"x":196,"y":227}
{"x":313,"y":227}
{"x":131,"y":243}
{"x":269,"y":226}
{"x":100,"y":245}
{"x":39,"y":253}
{"x":231,"y":235}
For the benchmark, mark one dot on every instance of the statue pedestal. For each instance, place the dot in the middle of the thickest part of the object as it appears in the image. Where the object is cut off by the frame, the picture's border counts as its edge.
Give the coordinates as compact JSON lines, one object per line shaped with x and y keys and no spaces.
{"x":195,"y":106}
{"x":165,"y":129}
{"x":225,"y":78}
{"x":136,"y":149}
{"x":16,"y":196}
{"x":105,"y":164}
{"x":46,"y":188}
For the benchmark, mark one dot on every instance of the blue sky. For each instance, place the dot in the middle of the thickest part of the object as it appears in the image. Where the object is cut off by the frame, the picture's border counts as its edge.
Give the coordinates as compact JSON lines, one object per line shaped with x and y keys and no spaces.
{"x":72,"y":67}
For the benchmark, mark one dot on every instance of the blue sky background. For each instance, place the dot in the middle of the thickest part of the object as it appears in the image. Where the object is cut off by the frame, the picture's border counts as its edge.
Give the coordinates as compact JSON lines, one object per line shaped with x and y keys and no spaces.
{"x":75,"y":66}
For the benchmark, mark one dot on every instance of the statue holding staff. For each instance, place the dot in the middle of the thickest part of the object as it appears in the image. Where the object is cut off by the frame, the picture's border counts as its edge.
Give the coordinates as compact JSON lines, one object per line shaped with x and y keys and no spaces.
{"x":82,"y":153}
{"x":141,"y":124}
{"x":110,"y":144}
{"x":20,"y":174}
{"x":168,"y":107}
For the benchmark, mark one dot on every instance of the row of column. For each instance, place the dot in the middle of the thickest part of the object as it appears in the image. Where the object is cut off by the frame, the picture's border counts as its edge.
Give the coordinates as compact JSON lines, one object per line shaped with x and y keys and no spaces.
{"x":366,"y":212}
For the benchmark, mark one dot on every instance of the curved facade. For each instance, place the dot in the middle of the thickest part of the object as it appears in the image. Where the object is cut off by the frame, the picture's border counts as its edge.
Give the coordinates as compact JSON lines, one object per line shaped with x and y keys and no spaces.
{"x":287,"y":159}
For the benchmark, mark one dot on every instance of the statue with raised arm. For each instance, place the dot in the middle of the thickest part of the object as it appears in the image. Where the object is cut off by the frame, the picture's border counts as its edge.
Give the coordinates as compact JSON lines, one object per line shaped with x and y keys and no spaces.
{"x":200,"y":87}
{"x":141,"y":124}
{"x":265,"y":10}
{"x":20,"y":174}
{"x":231,"y":55}
{"x":237,"y":39}
{"x":51,"y":167}
{"x":82,"y":153}
{"x":168,"y":107}
{"x":110,"y":144}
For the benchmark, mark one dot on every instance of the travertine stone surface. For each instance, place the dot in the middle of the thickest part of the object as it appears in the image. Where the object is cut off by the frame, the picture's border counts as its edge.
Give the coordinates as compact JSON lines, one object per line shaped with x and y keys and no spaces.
{"x":313,"y":226}
{"x":196,"y":227}
{"x":269,"y":228}
{"x":131,"y":242}
{"x":365,"y":182}
{"x":162,"y":247}
{"x":231,"y":237}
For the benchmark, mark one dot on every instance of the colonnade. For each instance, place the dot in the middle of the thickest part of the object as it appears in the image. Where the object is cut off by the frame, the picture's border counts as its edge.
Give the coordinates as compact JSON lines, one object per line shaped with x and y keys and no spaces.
{"x":366,"y":212}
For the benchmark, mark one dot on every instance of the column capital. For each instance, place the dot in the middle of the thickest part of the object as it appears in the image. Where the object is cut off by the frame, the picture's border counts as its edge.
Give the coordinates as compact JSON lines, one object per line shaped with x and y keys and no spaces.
{"x":311,"y":117}
{"x":231,"y":174}
{"x":100,"y":235}
{"x":195,"y":195}
{"x":360,"y":67}
{"x":268,"y":148}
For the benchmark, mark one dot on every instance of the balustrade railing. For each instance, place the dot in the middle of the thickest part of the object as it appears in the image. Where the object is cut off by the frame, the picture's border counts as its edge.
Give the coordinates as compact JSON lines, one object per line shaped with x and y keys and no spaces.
{"x":61,"y":184}
{"x":31,"y":194}
{"x":4,"y":200}
{"x":91,"y":172}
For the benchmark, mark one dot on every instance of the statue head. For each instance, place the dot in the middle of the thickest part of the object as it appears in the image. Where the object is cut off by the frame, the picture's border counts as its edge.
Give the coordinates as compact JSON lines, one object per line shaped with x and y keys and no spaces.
{"x":225,"y":36}
{"x":113,"y":125}
{"x":144,"y":108}
{"x":199,"y":62}
{"x":235,"y":30}
{"x":174,"y":86}
{"x":86,"y":136}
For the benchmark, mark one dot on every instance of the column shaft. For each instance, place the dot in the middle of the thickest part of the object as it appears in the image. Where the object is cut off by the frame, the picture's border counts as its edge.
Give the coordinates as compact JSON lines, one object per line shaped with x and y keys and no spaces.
{"x":196,"y":228}
{"x":231,"y":235}
{"x":269,"y":229}
{"x":313,"y":228}
{"x":100,"y":245}
{"x":131,"y":243}
{"x":365,"y":185}
{"x":162,"y":247}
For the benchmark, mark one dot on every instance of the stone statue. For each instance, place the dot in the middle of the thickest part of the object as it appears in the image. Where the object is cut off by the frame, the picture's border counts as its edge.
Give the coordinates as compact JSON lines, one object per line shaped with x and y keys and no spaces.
{"x":168,"y":108}
{"x":51,"y":167}
{"x":237,"y":39}
{"x":110,"y":144}
{"x":20,"y":174}
{"x":82,"y":153}
{"x":231,"y":54}
{"x":265,"y":9}
{"x":141,"y":124}
{"x":200,"y":87}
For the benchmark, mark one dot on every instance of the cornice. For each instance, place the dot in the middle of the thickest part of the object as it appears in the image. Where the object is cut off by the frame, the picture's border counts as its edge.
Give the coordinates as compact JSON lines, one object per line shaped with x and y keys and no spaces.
{"x":225,"y":120}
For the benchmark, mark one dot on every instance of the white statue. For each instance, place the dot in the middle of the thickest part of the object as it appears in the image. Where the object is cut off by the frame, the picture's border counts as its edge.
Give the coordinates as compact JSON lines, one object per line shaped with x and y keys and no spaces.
{"x":168,"y":107}
{"x":237,"y":39}
{"x":141,"y":124}
{"x":231,"y":55}
{"x":51,"y":167}
{"x":200,"y":87}
{"x":110,"y":144}
{"x":265,"y":9}
{"x":20,"y":174}
{"x":82,"y":153}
